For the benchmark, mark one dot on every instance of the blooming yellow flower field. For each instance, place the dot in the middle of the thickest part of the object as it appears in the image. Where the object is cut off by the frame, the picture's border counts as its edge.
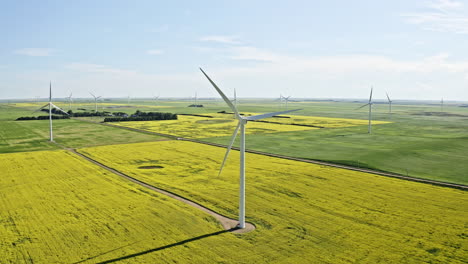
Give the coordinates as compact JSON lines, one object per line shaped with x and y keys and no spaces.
{"x":55,"y":207}
{"x":224,"y":124}
{"x":203,"y":127}
{"x":325,"y":122}
{"x":307,"y":213}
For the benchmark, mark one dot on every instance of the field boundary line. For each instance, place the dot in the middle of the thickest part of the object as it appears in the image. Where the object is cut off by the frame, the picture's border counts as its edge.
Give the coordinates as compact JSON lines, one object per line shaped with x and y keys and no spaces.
{"x":346,"y":167}
{"x":227,"y":223}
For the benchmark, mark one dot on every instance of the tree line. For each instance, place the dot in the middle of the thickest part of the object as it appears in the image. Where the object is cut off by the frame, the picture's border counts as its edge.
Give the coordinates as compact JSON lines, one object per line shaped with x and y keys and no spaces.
{"x":143,"y":116}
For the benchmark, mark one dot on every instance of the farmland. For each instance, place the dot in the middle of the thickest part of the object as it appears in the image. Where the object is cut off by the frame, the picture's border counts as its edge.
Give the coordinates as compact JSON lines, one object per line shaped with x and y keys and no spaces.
{"x":308,"y":211}
{"x":57,"y":208}
{"x":418,"y":139}
{"x":216,"y":125}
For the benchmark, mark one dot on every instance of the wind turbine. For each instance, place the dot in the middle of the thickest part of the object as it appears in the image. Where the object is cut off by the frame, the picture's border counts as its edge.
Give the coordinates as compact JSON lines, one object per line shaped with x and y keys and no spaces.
{"x":235,"y":98}
{"x":286,"y":99}
{"x":281,"y":101}
{"x":442,"y":104}
{"x":155,"y":98}
{"x":370,"y":111}
{"x":389,"y":104}
{"x":240,"y":126}
{"x":69,"y":100}
{"x":95,"y":101}
{"x":51,"y":105}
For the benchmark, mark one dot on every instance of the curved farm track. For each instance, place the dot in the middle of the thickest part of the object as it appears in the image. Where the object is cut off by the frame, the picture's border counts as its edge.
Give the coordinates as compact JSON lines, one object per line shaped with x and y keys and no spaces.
{"x":227,"y":223}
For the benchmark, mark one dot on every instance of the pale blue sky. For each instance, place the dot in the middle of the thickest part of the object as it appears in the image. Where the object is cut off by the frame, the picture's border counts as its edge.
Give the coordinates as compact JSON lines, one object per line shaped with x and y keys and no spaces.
{"x":313,"y":49}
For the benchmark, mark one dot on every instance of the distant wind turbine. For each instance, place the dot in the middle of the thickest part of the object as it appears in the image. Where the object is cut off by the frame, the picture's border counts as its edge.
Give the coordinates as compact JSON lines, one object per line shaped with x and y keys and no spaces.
{"x":370,"y":111}
{"x":69,"y":100}
{"x":95,"y":101}
{"x":286,"y":99}
{"x":442,"y":104}
{"x":51,"y":105}
{"x":235,"y":99}
{"x":240,"y":126}
{"x":389,"y":104}
{"x":155,"y":98}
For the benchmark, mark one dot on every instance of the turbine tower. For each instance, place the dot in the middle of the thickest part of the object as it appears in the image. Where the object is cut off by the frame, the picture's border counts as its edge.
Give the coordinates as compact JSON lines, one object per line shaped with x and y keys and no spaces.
{"x":442,"y":104}
{"x":389,"y":104}
{"x":240,"y":126}
{"x":286,"y":99}
{"x":369,"y":130}
{"x":235,"y":98}
{"x":95,"y":101}
{"x":51,"y":105}
{"x":69,"y":100}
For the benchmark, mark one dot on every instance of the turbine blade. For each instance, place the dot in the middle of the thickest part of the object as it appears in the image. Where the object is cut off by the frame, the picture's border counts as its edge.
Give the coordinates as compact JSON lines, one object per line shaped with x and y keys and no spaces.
{"x":388,"y":97}
{"x":262,"y":116}
{"x":361,"y":107}
{"x":370,"y":98}
{"x":39,"y":109}
{"x":54,"y":106}
{"x":92,"y":95}
{"x":228,"y":102}
{"x":229,"y":147}
{"x":50,"y":91}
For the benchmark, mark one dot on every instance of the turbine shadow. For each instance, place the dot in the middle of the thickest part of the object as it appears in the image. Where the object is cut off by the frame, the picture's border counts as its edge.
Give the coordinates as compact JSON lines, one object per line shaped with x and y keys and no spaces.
{"x":166,"y":246}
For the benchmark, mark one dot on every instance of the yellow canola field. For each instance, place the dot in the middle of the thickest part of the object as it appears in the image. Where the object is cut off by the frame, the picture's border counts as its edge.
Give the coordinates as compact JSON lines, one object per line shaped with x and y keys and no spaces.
{"x":203,"y":127}
{"x":325,"y":122}
{"x":307,"y":213}
{"x":55,"y":207}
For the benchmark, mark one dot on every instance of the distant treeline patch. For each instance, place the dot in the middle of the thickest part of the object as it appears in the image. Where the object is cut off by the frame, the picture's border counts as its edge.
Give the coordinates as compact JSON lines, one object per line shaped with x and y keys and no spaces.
{"x":143,"y":116}
{"x":41,"y":117}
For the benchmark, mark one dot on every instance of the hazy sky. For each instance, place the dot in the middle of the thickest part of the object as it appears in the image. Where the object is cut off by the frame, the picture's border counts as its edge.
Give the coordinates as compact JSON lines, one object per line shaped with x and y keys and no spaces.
{"x":314,"y":49}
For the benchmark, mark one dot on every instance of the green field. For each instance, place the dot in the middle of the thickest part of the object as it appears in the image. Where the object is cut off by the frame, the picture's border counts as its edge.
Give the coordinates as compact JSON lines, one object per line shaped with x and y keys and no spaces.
{"x":421,"y":140}
{"x":33,"y":135}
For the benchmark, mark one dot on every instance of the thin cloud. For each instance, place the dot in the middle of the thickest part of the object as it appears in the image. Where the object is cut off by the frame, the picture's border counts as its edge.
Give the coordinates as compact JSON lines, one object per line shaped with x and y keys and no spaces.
{"x":445,"y":16}
{"x":234,"y":40}
{"x":35,"y":52}
{"x":155,"y":52}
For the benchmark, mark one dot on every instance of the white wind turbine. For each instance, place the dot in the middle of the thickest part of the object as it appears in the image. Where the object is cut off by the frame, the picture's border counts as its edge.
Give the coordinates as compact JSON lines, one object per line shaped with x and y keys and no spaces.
{"x":240,"y":126}
{"x":70,"y":100}
{"x":155,"y":98}
{"x":442,"y":104}
{"x":51,"y":105}
{"x":95,"y":101}
{"x":235,"y":98}
{"x":286,"y":99}
{"x":369,"y":130}
{"x":389,"y":104}
{"x":280,"y":101}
